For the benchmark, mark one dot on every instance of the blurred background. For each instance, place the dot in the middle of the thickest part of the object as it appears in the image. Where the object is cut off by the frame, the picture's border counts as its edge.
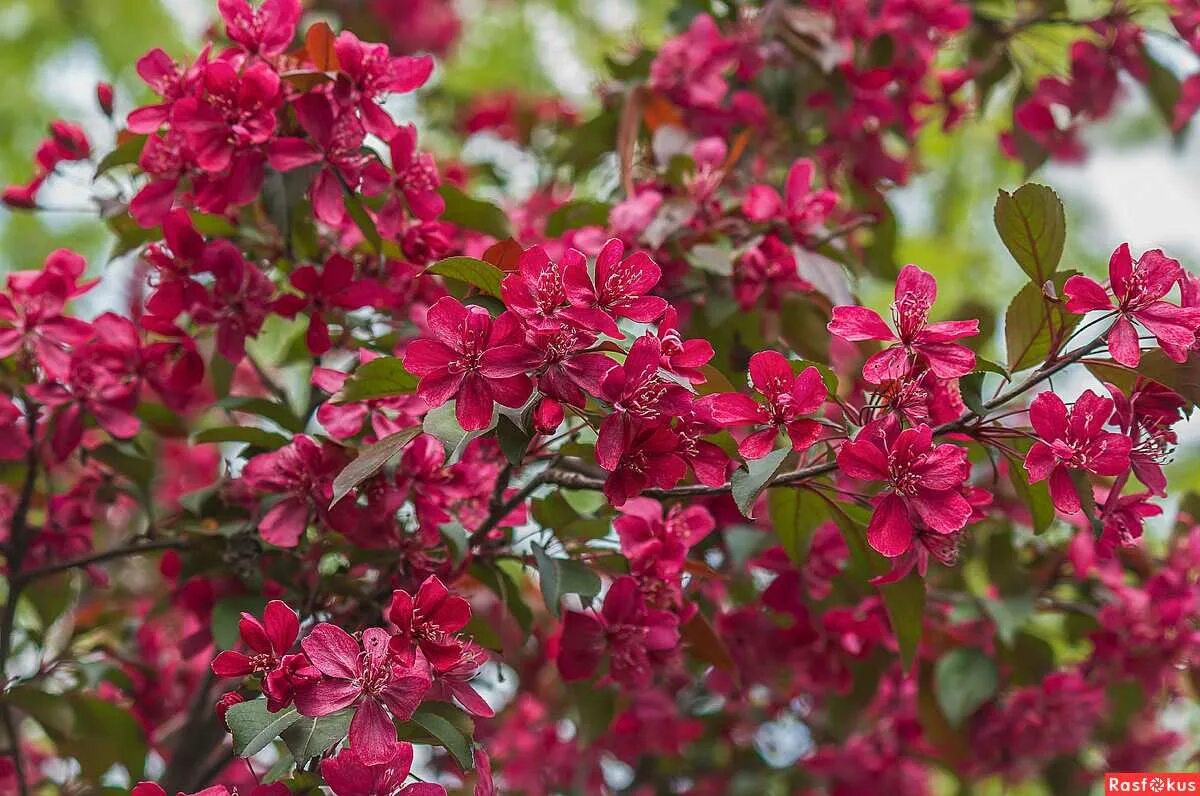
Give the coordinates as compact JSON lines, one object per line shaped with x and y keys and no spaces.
{"x":1139,"y":184}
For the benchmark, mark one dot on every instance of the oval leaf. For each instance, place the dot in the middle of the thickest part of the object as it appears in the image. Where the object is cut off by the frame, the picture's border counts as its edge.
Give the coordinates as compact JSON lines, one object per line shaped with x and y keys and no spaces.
{"x":370,"y":460}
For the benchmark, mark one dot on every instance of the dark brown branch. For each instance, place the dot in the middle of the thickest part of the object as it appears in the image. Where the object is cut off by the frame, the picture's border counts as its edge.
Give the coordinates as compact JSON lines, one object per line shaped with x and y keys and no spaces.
{"x":18,"y":543}
{"x":100,"y":557}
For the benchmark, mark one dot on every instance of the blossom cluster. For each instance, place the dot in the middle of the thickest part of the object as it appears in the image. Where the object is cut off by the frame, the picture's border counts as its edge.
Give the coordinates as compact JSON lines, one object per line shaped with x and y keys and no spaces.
{"x":646,"y":473}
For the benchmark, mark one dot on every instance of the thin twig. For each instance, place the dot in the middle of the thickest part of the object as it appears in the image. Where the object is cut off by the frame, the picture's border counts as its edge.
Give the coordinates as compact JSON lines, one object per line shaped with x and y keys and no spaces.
{"x":18,"y":542}
{"x":100,"y":557}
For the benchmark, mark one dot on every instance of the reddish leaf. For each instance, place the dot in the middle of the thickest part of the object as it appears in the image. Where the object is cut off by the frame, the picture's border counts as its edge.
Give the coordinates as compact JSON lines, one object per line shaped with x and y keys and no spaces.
{"x":706,"y":645}
{"x":503,"y":254}
{"x":318,"y":43}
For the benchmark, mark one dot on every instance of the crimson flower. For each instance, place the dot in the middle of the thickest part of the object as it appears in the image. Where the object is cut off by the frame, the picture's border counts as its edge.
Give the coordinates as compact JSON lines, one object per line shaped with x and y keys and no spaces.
{"x":102,"y":381}
{"x":168,"y":79}
{"x":801,"y":206}
{"x":570,"y":370}
{"x":478,"y":360}
{"x":364,"y":676}
{"x":176,"y":260}
{"x":647,"y":454}
{"x":370,"y":72}
{"x":301,"y":473}
{"x":146,"y":788}
{"x":1146,"y":417}
{"x":767,"y":268}
{"x":1073,"y":440}
{"x":682,"y":357}
{"x":414,"y":179}
{"x":708,"y":461}
{"x":915,"y":339}
{"x":268,"y":641}
{"x":349,"y":774}
{"x":455,"y":680}
{"x":637,"y":392}
{"x":1138,"y":290}
{"x":336,"y":141}
{"x":632,"y":636}
{"x":31,"y":315}
{"x":789,"y":397}
{"x":535,"y":290}
{"x":331,"y":288}
{"x":923,"y":479}
{"x":240,"y":300}
{"x":646,"y":534}
{"x":234,"y":114}
{"x":428,"y":621}
{"x":618,"y":291}
{"x":267,"y":30}
{"x":14,"y":434}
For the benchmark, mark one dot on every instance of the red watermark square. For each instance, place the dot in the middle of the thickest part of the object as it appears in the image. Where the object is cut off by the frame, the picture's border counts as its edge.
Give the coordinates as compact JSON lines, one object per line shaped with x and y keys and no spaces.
{"x":1151,"y":783}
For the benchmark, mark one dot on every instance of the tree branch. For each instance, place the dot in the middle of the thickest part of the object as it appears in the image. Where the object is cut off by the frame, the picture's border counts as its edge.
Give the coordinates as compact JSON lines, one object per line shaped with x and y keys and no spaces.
{"x":577,"y":480}
{"x":100,"y":557}
{"x":18,"y":543}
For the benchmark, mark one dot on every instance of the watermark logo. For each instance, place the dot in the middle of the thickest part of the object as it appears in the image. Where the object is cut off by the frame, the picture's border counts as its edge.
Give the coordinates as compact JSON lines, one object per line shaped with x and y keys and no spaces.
{"x":1115,"y":783}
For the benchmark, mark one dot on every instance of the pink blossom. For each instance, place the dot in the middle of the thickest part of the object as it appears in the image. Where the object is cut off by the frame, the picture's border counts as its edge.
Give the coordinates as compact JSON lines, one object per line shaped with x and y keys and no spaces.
{"x":267,"y":30}
{"x":471,"y":357}
{"x":925,"y":482}
{"x":916,"y":341}
{"x":632,"y":636}
{"x":428,"y":621}
{"x":331,"y":289}
{"x":1138,"y":290}
{"x":1074,"y":440}
{"x":366,"y":677}
{"x":801,"y":208}
{"x":348,"y":773}
{"x":789,"y":398}
{"x":619,"y":290}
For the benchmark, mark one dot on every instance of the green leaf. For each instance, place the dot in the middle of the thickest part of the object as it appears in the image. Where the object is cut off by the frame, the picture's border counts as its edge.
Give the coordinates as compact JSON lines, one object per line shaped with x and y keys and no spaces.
{"x":253,"y":726}
{"x":1035,"y":497}
{"x":477,"y":273}
{"x":507,"y":589}
{"x":1034,"y":326}
{"x":467,"y":211}
{"x":377,"y":378}
{"x":125,"y":153}
{"x":577,"y":213}
{"x":370,"y":460}
{"x":1033,"y":225}
{"x":257,"y":437}
{"x":970,"y":387}
{"x":310,"y":737}
{"x":227,"y":612}
{"x":595,"y":708}
{"x":125,"y":459}
{"x":95,"y":732}
{"x":905,"y":603}
{"x":274,"y":411}
{"x":713,"y":258}
{"x":963,"y":680}
{"x":561,"y":576}
{"x":431,"y":719}
{"x":796,"y":513}
{"x":1162,"y":85}
{"x":751,"y":478}
{"x":442,"y":423}
{"x":513,"y":439}
{"x":362,"y":219}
